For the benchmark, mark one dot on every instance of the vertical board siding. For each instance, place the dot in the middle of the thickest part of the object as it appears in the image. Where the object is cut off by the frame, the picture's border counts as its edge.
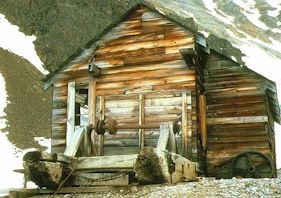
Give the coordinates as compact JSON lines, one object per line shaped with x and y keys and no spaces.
{"x":232,"y":91}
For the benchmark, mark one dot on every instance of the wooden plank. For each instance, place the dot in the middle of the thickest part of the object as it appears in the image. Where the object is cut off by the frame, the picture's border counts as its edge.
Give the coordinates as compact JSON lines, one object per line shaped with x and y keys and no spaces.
{"x":189,"y":123}
{"x":133,"y":39}
{"x":101,"y":179}
{"x":105,"y":163}
{"x":70,"y":112}
{"x":75,"y":141}
{"x":145,"y":74}
{"x":147,"y":45}
{"x":141,"y":119}
{"x":163,"y":137}
{"x":172,"y":144}
{"x":237,"y":120}
{"x":102,"y":117}
{"x":121,"y":150}
{"x":92,"y":111}
{"x":184,"y":124}
{"x":203,"y":126}
{"x":176,"y":64}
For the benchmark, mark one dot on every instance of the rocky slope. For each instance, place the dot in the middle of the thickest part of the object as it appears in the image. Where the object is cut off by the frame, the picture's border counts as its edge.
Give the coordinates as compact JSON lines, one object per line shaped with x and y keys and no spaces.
{"x":64,"y":27}
{"x":28,"y":112}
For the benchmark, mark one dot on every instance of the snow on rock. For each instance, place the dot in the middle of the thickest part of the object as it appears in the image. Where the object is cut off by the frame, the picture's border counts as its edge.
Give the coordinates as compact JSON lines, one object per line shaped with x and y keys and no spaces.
{"x":253,"y":14}
{"x":17,"y":42}
{"x":210,"y":4}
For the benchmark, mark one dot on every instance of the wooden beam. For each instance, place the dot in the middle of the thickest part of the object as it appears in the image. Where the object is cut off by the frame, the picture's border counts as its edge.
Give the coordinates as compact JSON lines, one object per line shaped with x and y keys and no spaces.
{"x":101,"y":179}
{"x":70,"y":127}
{"x":102,"y":117}
{"x":184,"y":124}
{"x":105,"y":163}
{"x":64,"y":190}
{"x":189,"y":124}
{"x":75,"y":141}
{"x":203,"y":126}
{"x":92,"y":111}
{"x":141,"y":119}
{"x":172,"y":144}
{"x":163,"y":137}
{"x":237,"y":120}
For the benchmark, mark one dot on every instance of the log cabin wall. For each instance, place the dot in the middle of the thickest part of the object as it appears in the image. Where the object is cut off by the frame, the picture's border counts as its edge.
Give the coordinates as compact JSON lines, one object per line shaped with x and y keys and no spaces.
{"x":235,"y":92}
{"x":140,"y":56}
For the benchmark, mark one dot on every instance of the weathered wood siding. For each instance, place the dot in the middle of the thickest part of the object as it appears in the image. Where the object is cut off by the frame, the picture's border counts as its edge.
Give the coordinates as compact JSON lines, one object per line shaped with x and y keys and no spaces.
{"x":234,"y":92}
{"x":139,"y":56}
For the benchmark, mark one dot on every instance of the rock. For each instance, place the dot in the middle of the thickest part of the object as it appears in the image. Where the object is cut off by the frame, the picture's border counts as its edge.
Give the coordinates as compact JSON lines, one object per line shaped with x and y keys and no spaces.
{"x":65,"y":27}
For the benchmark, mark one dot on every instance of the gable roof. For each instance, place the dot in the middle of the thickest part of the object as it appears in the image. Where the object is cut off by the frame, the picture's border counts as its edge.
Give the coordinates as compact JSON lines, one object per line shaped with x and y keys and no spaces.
{"x":217,"y":44}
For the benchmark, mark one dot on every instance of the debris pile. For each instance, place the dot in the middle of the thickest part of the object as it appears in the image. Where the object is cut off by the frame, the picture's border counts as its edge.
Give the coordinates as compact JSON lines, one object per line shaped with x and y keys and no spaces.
{"x":206,"y":187}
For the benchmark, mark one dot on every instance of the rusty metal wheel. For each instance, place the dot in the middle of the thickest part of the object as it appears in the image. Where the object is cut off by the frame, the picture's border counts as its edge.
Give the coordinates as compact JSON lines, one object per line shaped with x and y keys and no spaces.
{"x":252,"y":164}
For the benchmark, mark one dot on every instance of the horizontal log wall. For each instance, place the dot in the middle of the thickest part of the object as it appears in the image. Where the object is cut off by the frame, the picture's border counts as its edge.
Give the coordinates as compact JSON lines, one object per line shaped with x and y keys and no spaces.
{"x":140,"y":55}
{"x":59,"y":117}
{"x":237,"y":93}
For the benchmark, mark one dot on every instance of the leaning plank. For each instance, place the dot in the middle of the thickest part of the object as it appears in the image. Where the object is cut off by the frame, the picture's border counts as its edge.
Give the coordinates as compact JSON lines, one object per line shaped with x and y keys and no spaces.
{"x":70,"y":112}
{"x":75,"y":141}
{"x":237,"y":120}
{"x":163,"y":137}
{"x":105,"y":163}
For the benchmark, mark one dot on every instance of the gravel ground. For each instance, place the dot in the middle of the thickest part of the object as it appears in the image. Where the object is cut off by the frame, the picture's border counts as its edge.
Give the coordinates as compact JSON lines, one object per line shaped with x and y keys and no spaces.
{"x":206,"y":187}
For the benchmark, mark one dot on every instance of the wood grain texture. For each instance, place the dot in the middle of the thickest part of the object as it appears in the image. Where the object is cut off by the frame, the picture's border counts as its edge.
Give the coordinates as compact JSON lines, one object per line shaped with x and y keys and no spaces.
{"x":138,"y":56}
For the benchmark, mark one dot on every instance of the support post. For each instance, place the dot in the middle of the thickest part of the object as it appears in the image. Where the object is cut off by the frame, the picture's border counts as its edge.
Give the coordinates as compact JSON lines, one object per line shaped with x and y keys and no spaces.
{"x":184,"y":124}
{"x":70,"y":126}
{"x":202,"y":111}
{"x":141,"y":120}
{"x":189,"y":125}
{"x":102,"y":117}
{"x":92,"y":111}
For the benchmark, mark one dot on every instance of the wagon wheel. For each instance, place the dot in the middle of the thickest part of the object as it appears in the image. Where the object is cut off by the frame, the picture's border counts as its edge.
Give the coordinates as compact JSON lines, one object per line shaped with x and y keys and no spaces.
{"x":252,"y":165}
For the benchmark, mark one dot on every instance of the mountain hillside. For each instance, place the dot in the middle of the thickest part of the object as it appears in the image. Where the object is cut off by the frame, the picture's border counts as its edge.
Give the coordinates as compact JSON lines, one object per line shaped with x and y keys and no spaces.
{"x":65,"y":27}
{"x":28,"y":112}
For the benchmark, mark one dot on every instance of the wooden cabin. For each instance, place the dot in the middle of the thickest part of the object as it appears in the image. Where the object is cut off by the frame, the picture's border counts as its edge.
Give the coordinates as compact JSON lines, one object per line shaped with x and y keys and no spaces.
{"x":149,"y":70}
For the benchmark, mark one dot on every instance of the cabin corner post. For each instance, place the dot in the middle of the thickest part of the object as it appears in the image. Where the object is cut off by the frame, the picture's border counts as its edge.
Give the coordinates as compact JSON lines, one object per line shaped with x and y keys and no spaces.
{"x":70,"y":125}
{"x":186,"y":124}
{"x":92,"y":112}
{"x":202,"y":121}
{"x":270,"y":133}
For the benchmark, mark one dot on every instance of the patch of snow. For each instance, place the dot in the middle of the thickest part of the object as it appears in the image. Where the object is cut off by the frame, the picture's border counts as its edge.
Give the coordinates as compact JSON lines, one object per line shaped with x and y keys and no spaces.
{"x":253,"y":14}
{"x":275,"y":30}
{"x":274,"y":4}
{"x":44,"y":142}
{"x":263,"y":63}
{"x":17,"y":42}
{"x":206,"y":34}
{"x":212,"y":7}
{"x":234,"y":58}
